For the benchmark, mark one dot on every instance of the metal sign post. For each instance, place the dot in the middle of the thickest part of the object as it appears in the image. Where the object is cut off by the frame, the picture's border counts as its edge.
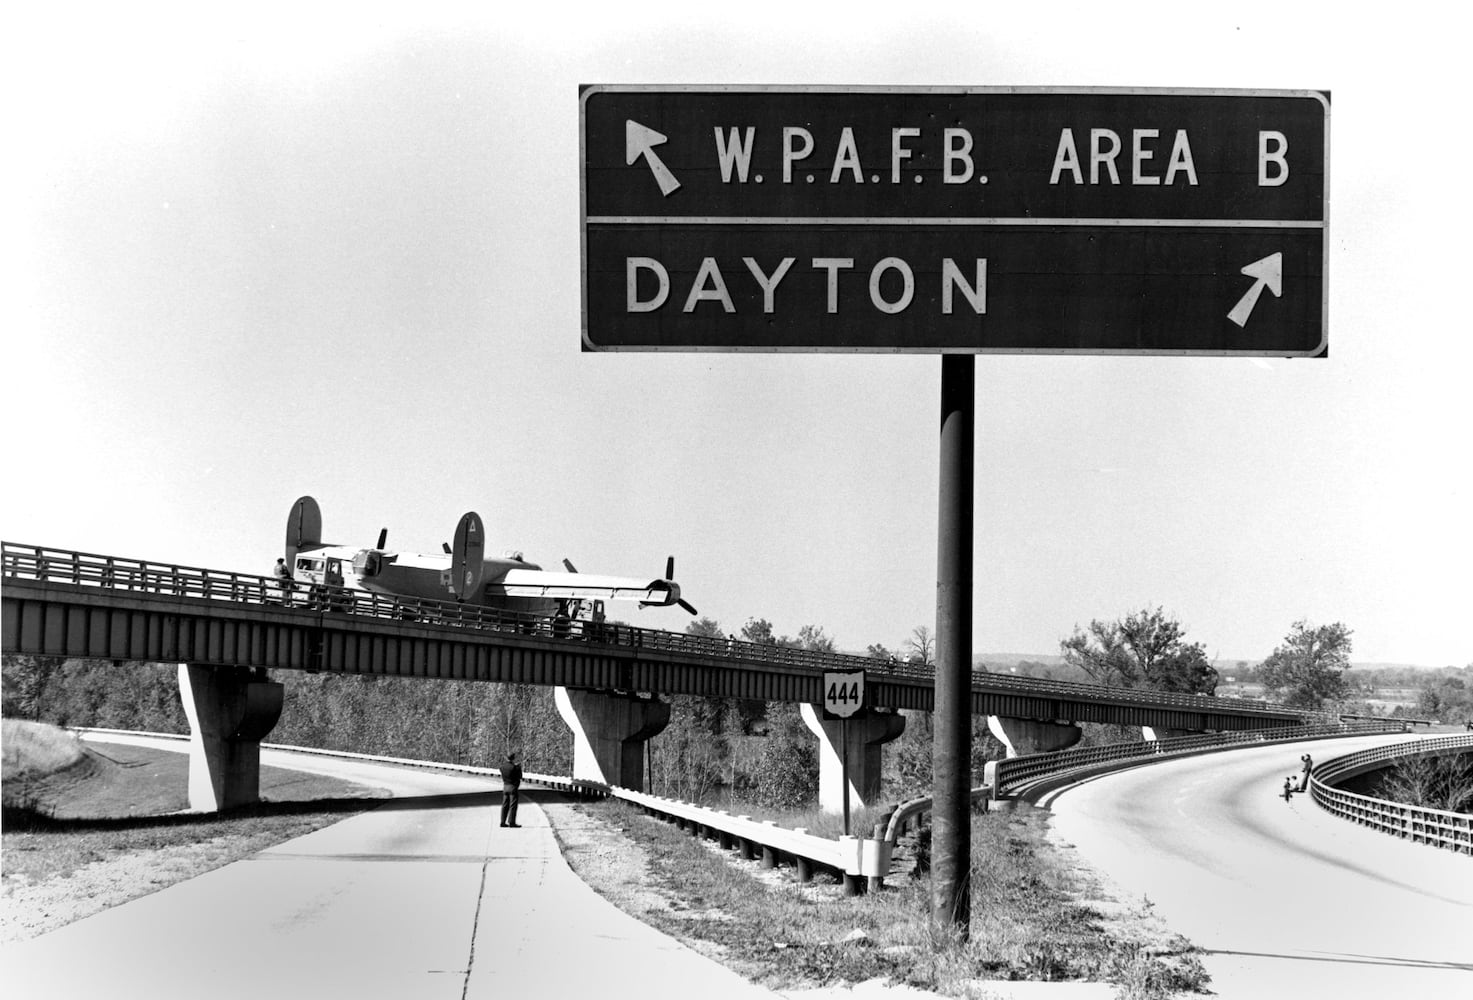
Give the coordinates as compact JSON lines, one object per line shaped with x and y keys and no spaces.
{"x":843,"y":698}
{"x":951,"y":831}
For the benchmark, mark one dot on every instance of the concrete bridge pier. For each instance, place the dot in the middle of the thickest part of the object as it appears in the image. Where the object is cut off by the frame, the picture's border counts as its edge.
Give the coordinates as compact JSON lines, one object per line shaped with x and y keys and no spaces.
{"x":865,"y":736}
{"x":1027,"y":736}
{"x":609,"y":733}
{"x":1153,"y":733}
{"x":230,"y":710}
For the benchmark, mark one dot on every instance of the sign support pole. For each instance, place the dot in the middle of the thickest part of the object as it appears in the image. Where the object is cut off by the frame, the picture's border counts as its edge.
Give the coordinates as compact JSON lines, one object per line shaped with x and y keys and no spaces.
{"x":844,"y":769}
{"x":951,"y":836}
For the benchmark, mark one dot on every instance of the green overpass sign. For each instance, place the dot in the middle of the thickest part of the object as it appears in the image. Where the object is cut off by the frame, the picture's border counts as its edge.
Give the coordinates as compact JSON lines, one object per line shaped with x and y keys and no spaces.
{"x":936,"y":220}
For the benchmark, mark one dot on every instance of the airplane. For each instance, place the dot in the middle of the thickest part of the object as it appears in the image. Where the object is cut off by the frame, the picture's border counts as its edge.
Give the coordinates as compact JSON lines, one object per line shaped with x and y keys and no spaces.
{"x":464,"y":573}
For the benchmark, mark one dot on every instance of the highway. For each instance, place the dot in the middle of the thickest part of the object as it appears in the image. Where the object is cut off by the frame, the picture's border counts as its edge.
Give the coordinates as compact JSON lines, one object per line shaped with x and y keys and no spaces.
{"x":423,"y":898}
{"x":426,"y":897}
{"x":1287,"y":900}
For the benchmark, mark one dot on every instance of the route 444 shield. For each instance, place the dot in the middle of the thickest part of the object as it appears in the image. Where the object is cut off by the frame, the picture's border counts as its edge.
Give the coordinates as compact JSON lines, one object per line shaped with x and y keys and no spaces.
{"x":843,"y":694}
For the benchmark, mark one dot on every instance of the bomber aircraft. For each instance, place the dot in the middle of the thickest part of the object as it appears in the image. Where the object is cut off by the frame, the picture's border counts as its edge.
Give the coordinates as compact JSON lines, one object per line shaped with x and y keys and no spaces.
{"x":463,"y":573}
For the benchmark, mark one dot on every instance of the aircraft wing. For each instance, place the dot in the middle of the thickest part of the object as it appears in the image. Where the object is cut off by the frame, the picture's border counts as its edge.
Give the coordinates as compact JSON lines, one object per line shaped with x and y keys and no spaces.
{"x":584,"y":586}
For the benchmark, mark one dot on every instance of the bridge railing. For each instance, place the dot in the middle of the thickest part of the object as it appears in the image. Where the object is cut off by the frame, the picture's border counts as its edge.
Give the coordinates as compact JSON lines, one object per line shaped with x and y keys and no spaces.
{"x":1438,"y":827}
{"x":35,"y":562}
{"x":1008,"y":776}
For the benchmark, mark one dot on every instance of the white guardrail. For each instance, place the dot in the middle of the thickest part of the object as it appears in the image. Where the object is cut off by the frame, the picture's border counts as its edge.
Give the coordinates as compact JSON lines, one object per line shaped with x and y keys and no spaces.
{"x":859,"y":861}
{"x":1008,"y":777}
{"x":1449,"y":830}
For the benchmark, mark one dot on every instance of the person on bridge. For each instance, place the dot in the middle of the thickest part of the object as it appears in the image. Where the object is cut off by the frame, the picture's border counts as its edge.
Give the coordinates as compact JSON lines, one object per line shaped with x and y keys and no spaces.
{"x":283,"y":576}
{"x":1304,"y":778}
{"x":511,"y":783}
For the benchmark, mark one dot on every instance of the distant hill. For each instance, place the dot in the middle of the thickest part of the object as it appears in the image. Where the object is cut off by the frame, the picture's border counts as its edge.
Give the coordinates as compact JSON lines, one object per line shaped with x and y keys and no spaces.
{"x":1012,"y":659}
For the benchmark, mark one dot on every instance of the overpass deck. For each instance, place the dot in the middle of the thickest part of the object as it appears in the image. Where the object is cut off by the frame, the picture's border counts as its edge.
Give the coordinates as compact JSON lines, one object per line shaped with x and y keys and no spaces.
{"x":65,"y":603}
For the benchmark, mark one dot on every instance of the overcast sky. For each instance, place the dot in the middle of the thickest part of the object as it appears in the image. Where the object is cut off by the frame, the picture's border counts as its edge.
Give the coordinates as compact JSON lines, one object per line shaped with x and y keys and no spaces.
{"x":335,"y":250}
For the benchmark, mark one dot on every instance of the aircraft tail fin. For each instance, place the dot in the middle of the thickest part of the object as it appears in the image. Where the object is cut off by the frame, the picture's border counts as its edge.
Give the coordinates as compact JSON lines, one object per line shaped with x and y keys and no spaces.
{"x":303,"y":528}
{"x":468,"y":557}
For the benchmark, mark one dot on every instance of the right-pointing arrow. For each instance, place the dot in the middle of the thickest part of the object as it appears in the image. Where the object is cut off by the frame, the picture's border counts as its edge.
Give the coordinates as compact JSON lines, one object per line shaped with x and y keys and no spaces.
{"x":1268,"y":271}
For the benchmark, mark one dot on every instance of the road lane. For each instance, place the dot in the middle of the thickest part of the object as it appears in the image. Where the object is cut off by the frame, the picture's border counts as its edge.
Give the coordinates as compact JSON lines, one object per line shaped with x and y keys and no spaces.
{"x":1287,"y":900}
{"x":423,"y":898}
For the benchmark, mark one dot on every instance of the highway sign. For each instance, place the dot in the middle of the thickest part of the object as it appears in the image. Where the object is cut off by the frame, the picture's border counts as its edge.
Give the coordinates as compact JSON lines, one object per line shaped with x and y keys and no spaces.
{"x":985,"y":220}
{"x":843,"y":693}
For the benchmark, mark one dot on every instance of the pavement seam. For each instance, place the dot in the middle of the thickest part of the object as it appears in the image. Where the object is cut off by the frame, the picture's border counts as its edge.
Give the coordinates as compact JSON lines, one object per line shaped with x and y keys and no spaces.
{"x":470,"y":959}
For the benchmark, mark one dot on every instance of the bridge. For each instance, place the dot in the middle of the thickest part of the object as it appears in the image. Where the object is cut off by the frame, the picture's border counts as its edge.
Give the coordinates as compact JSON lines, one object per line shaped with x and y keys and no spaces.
{"x":226,"y":630}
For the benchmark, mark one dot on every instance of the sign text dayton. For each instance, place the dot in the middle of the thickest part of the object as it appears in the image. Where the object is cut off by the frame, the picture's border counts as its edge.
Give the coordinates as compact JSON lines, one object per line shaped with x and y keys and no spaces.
{"x":1087,"y":221}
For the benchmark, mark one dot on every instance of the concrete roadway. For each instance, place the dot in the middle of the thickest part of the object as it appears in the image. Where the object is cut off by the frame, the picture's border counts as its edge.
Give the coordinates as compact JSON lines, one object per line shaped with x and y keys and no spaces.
{"x":423,"y":898}
{"x":1287,"y":900}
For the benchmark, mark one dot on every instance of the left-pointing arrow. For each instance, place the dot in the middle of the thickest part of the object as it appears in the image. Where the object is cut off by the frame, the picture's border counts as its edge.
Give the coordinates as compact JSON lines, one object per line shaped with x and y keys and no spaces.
{"x":640,"y":140}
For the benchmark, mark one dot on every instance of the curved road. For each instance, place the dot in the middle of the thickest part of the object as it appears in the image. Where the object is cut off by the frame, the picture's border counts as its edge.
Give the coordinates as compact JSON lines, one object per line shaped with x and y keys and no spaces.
{"x":1287,"y":900}
{"x":423,"y":898}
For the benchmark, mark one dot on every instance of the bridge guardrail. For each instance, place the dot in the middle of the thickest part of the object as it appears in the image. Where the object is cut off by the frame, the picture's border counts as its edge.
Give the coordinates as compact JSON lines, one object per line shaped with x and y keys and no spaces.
{"x":1438,"y":827}
{"x":44,"y":564}
{"x":1011,"y":775}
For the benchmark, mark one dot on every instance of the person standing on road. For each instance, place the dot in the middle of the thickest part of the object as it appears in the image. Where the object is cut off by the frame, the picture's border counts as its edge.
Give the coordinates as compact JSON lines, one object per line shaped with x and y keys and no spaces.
{"x":1288,"y":787}
{"x":511,"y":783}
{"x":1304,"y":778}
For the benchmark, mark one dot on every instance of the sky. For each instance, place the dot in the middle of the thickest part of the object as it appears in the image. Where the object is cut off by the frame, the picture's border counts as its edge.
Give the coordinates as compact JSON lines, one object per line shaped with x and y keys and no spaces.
{"x":334,"y":250}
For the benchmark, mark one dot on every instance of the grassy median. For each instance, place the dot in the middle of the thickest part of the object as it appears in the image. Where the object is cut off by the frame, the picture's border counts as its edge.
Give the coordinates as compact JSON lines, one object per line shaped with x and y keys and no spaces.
{"x":1036,"y":915}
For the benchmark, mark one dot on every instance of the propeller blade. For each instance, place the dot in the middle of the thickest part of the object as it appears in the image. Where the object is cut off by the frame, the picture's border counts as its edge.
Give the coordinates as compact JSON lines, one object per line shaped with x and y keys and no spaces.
{"x":687,"y":606}
{"x":568,"y":564}
{"x":670,"y":568}
{"x":383,"y":538}
{"x":446,"y":547}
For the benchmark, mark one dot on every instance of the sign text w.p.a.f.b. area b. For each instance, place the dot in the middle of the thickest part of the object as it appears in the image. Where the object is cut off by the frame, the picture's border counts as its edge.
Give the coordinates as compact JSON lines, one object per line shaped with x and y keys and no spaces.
{"x":1056,"y":221}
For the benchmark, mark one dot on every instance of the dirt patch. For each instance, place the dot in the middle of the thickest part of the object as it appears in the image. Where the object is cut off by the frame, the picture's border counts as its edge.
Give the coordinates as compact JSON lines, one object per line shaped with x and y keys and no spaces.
{"x":1134,"y":923}
{"x":33,"y":908}
{"x":610,"y":863}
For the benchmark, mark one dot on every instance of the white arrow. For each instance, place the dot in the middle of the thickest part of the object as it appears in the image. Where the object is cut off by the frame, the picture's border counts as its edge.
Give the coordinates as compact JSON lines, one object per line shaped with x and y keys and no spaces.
{"x":1268,"y":271}
{"x":641,"y":141}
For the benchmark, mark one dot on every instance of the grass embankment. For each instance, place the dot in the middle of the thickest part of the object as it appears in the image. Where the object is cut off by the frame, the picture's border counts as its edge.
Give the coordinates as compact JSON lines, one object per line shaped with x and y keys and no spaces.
{"x":86,"y":827}
{"x":1035,"y":916}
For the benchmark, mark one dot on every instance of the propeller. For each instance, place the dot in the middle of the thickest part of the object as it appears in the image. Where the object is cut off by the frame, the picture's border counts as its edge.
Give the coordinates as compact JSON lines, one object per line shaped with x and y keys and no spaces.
{"x":568,"y":565}
{"x":383,"y":538}
{"x":670,"y":575}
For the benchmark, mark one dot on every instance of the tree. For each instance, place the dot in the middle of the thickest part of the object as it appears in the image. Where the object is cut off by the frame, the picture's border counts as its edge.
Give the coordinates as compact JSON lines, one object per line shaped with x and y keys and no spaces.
{"x":787,"y":767}
{"x":1309,"y":666}
{"x":24,"y":680}
{"x":759,"y":630}
{"x":1431,"y":782}
{"x":921,"y":647}
{"x":1143,"y":649}
{"x":1447,"y":697}
{"x":811,"y":637}
{"x":703,"y":626}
